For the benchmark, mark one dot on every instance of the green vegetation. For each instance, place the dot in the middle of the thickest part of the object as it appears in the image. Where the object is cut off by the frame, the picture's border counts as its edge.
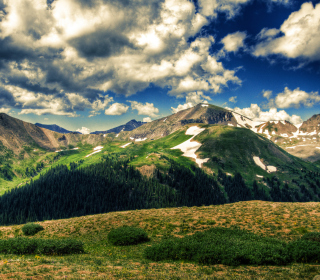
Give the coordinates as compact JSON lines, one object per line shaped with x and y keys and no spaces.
{"x":126,"y":235}
{"x":233,"y":247}
{"x":21,"y":246}
{"x":282,"y":222}
{"x":31,"y":229}
{"x":106,"y":186}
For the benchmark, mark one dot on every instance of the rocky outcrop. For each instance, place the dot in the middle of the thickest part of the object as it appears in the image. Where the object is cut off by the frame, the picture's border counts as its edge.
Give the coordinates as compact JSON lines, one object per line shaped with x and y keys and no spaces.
{"x":311,"y":125}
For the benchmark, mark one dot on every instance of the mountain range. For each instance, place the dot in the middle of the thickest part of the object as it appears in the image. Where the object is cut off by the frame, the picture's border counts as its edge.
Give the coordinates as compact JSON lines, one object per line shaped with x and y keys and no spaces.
{"x":203,"y":155}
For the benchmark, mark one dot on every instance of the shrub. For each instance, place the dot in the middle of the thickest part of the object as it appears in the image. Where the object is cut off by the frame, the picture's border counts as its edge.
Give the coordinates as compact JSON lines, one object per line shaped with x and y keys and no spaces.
{"x":222,"y":246}
{"x":312,"y":236}
{"x":31,"y":228}
{"x":126,"y":235}
{"x":22,"y":245}
{"x":304,"y":251}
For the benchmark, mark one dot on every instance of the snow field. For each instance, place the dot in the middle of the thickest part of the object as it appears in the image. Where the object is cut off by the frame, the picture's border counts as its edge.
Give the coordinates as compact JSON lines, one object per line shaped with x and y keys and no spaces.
{"x":268,"y":168}
{"x":189,"y":148}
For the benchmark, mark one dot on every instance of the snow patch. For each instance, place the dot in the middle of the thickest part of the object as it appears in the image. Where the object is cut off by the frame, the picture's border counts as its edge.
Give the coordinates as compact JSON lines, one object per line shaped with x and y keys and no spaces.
{"x":283,"y":122}
{"x":140,"y":139}
{"x":131,"y":138}
{"x":117,"y":135}
{"x":204,"y":105}
{"x":268,"y":168}
{"x":230,"y":124}
{"x":96,"y":150}
{"x":165,"y":120}
{"x":189,"y":148}
{"x":318,"y":148}
{"x":259,"y":176}
{"x":125,"y":145}
{"x":284,"y":135}
{"x":298,"y":125}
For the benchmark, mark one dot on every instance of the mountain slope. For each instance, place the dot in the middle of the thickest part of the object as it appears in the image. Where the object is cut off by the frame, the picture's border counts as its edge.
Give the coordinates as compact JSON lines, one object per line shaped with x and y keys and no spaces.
{"x":201,"y":113}
{"x":54,"y":127}
{"x":129,"y":126}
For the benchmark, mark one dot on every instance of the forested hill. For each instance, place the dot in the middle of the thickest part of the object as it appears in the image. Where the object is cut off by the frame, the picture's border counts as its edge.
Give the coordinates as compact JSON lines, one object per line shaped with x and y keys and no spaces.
{"x":114,"y":185}
{"x":107,"y":186}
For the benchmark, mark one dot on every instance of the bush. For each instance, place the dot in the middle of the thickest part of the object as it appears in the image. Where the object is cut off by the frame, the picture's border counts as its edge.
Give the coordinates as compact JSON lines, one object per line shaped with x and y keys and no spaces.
{"x":31,"y":229}
{"x":235,"y":247}
{"x":304,"y":251}
{"x":22,"y":245}
{"x":221,"y":246}
{"x":312,"y":236}
{"x":126,"y":235}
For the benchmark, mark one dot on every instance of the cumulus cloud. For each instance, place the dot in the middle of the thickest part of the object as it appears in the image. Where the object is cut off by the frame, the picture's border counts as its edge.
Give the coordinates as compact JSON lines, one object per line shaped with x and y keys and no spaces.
{"x":84,"y":130}
{"x":39,"y":103}
{"x":192,"y":99}
{"x":147,"y":119}
{"x":292,"y":98}
{"x":298,"y":36}
{"x":255,"y":113}
{"x":116,"y":109}
{"x":182,"y":107}
{"x":84,"y":47}
{"x":233,"y":42}
{"x":145,"y":109}
{"x":4,"y":110}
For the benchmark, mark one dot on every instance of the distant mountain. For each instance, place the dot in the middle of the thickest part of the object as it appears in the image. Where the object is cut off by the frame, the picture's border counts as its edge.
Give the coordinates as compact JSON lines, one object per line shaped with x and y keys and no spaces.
{"x":16,"y":134}
{"x":282,"y":128}
{"x":54,"y":127}
{"x":129,"y":126}
{"x":312,"y":125}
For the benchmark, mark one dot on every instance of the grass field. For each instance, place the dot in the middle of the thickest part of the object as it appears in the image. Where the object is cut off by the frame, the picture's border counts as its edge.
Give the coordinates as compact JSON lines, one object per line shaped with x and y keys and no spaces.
{"x":285,"y":221}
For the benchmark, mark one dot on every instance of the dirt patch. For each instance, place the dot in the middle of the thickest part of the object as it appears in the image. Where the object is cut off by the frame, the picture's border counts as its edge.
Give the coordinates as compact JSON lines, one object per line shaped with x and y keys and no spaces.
{"x":147,"y":170}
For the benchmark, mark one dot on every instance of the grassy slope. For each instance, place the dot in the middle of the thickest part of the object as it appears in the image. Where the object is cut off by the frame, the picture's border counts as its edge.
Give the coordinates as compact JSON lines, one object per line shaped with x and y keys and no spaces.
{"x":286,"y":221}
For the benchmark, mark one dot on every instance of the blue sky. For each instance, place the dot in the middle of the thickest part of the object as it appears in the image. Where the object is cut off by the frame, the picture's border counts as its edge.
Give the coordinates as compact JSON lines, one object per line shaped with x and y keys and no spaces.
{"x":93,"y":65}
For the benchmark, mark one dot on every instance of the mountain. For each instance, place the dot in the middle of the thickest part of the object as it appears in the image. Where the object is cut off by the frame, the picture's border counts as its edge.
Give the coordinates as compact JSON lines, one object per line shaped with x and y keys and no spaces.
{"x":311,"y":126}
{"x":201,"y":113}
{"x":272,"y":128}
{"x":129,"y":126}
{"x":53,"y":127}
{"x":16,"y":135}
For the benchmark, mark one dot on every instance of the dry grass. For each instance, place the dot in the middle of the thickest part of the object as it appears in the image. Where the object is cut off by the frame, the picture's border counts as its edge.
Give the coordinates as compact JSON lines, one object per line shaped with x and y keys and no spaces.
{"x":286,"y":221}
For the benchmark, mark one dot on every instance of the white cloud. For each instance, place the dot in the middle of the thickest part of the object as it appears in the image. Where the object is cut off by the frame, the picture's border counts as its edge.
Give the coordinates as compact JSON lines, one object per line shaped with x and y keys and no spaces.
{"x":116,"y":109}
{"x":197,"y":97}
{"x":294,"y":98}
{"x":255,"y":113}
{"x":233,"y":99}
{"x":147,"y":119}
{"x":84,"y":130}
{"x":145,"y":109}
{"x":121,"y":46}
{"x":212,"y":7}
{"x":192,"y":99}
{"x":5,"y":110}
{"x":233,"y":42}
{"x":299,"y":36}
{"x":267,"y":93}
{"x":182,"y":107}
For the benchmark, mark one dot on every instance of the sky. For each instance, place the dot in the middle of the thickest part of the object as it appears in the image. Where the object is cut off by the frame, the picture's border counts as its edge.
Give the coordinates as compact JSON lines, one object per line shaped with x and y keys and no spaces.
{"x":90,"y":65}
